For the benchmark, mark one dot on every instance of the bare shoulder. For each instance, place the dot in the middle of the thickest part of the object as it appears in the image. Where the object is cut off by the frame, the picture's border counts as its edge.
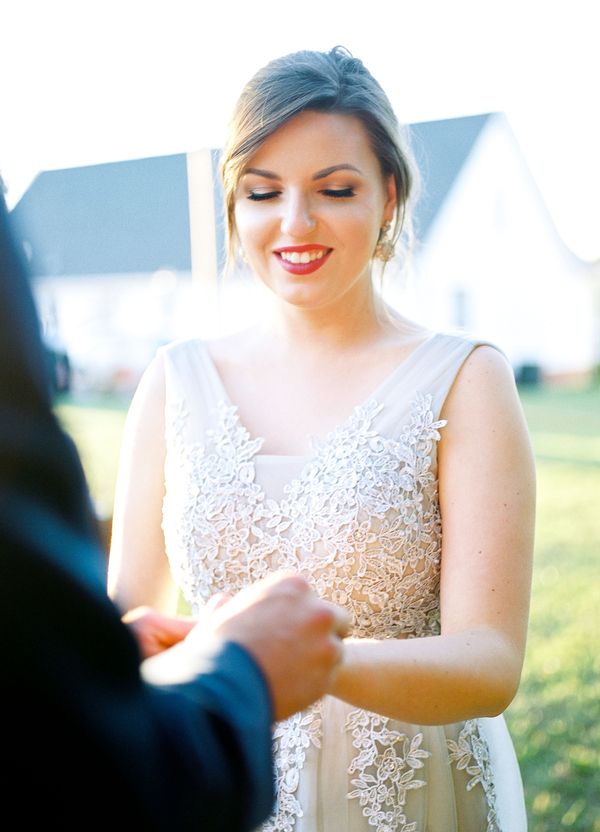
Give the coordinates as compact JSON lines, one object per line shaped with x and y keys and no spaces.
{"x":146,"y":409}
{"x":484,"y":385}
{"x":151,"y":387}
{"x":483,"y":363}
{"x":486,"y":438}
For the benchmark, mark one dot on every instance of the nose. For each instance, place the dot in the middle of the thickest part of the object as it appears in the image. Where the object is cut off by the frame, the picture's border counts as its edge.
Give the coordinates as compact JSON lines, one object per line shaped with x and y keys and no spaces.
{"x":297,"y":219}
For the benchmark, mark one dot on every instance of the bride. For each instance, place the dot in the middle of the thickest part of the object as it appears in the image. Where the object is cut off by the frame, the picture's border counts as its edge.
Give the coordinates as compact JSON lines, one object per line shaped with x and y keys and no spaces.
{"x":388,"y":464}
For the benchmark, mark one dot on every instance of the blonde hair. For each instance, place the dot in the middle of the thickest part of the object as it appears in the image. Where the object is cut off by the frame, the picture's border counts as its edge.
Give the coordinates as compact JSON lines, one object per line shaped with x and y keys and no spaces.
{"x":330,"y":82}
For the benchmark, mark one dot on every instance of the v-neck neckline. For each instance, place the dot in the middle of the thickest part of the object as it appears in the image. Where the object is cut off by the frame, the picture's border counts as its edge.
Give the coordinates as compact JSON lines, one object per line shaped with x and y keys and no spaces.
{"x":376,"y":396}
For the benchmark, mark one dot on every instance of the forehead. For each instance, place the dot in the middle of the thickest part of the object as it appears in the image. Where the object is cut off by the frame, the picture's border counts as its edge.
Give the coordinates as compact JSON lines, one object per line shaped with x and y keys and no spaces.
{"x":317,"y":140}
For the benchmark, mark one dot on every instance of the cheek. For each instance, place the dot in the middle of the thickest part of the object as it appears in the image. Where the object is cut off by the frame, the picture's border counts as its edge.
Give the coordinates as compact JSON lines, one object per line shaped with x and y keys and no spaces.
{"x":362,"y":230}
{"x":252,"y":226}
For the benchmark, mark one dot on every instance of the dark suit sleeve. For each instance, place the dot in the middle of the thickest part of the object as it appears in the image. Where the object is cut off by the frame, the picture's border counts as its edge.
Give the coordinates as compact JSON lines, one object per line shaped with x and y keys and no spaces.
{"x":95,"y":746}
{"x":86,"y":743}
{"x":232,"y":751}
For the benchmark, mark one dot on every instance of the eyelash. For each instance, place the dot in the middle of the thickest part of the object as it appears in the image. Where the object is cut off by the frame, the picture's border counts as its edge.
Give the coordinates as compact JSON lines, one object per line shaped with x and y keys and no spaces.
{"x":334,"y":193}
{"x":339,"y":193}
{"x":259,"y":197}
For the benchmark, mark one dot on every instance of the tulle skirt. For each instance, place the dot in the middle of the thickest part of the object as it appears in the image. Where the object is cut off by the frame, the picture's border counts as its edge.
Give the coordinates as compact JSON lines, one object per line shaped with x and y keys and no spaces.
{"x":342,"y":769}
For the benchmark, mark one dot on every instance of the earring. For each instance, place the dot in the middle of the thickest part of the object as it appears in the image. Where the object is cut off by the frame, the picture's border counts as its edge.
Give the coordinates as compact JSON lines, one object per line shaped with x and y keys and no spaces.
{"x":384,"y":250}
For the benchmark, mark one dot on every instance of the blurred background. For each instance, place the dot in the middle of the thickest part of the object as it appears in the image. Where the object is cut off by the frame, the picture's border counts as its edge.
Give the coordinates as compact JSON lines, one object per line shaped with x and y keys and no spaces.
{"x":113,"y":115}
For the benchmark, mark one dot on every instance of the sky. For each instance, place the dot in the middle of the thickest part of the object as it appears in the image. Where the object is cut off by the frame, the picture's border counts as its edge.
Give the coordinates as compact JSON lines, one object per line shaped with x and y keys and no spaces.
{"x":86,"y":82}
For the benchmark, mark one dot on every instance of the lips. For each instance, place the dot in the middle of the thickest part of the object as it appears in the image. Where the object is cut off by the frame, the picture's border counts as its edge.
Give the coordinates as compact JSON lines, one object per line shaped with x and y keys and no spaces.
{"x":302,"y":259}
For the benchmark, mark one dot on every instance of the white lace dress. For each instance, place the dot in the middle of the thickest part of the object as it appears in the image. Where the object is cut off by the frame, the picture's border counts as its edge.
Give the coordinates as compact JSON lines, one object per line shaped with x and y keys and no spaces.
{"x":359,"y":519}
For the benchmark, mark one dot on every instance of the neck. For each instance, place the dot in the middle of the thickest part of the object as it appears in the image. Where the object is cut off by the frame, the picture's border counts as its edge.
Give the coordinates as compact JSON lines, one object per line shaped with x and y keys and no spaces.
{"x":354,"y":322}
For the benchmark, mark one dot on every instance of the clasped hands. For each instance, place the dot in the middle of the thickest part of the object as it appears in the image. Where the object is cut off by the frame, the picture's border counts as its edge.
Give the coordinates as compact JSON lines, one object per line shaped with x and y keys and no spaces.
{"x":295,"y":637}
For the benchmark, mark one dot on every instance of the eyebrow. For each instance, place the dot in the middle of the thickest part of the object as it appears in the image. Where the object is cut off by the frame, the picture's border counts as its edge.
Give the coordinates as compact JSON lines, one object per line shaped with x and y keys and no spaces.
{"x":320,"y":174}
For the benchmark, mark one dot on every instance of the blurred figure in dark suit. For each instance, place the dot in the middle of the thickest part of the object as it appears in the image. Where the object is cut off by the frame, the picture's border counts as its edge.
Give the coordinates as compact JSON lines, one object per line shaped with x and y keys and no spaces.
{"x":93,"y":735}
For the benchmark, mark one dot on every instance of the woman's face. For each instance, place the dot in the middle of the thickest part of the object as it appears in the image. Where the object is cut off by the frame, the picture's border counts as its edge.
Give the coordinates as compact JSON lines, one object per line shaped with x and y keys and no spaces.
{"x":309,"y":208}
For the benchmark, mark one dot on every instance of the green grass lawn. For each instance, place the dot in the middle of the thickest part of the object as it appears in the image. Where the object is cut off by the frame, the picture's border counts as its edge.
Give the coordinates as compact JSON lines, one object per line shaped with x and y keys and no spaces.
{"x":96,"y":425}
{"x":555,"y":718}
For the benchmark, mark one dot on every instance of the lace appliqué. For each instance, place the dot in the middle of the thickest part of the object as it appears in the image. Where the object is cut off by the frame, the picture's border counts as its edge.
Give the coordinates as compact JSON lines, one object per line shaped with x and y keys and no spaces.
{"x":470,"y":753}
{"x":386,"y":766}
{"x":361,"y":523}
{"x":209,"y":506}
{"x":291,"y":741}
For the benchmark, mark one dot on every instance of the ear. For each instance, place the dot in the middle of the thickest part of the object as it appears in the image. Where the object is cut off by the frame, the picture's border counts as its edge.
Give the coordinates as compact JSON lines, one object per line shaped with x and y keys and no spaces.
{"x":391,"y":201}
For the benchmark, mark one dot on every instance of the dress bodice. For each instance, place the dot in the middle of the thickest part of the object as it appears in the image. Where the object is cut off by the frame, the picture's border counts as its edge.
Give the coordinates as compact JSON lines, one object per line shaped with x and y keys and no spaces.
{"x":359,"y":518}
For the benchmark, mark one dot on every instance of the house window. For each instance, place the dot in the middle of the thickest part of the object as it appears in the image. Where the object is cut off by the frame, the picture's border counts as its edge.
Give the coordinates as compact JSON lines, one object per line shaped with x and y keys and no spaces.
{"x":460,"y":308}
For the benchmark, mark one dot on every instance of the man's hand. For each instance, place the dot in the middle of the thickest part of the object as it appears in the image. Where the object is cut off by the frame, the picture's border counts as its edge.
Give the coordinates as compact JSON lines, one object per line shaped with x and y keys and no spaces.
{"x":295,"y":637}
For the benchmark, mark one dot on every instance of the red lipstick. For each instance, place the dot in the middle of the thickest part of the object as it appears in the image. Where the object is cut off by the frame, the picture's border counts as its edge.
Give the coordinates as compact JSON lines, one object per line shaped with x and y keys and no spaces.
{"x":304,"y":259}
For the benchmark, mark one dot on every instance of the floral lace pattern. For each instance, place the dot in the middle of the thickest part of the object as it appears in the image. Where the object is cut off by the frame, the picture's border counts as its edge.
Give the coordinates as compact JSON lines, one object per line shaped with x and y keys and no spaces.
{"x":361,"y":522}
{"x":386,"y":766}
{"x":291,"y":740}
{"x":471,"y":754}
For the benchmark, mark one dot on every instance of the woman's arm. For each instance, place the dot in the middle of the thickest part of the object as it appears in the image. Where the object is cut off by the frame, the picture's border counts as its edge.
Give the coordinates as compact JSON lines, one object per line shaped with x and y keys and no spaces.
{"x":487,"y":501}
{"x":138,"y":572}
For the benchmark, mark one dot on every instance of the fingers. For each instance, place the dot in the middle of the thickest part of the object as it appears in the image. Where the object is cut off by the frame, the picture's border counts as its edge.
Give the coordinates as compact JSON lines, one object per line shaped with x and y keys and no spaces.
{"x":280,"y":616}
{"x":340,"y":628}
{"x":341,"y":620}
{"x":284,"y":582}
{"x":340,"y":652}
{"x":155,"y":631}
{"x":294,"y":585}
{"x":135,"y":614}
{"x":335,"y":618}
{"x":216,"y":601}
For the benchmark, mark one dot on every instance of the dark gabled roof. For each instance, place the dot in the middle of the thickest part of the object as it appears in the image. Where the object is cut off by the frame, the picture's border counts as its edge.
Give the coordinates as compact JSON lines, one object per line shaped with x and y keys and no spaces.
{"x":129,"y":216}
{"x":133,"y":216}
{"x":441,"y":149}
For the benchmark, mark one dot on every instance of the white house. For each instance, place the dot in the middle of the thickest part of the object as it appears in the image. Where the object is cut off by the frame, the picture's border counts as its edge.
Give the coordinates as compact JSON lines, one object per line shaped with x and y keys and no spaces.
{"x":115,"y":251}
{"x":489,"y":259}
{"x":128,"y":255}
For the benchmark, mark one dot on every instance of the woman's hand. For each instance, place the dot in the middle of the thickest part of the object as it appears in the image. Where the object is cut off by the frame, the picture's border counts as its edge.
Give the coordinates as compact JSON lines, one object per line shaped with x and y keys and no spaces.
{"x":156,"y":632}
{"x":294,"y":636}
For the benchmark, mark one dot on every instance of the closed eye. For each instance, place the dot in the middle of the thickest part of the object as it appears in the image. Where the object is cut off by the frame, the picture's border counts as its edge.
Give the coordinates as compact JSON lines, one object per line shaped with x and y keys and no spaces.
{"x":339,"y":193}
{"x":258,"y":196}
